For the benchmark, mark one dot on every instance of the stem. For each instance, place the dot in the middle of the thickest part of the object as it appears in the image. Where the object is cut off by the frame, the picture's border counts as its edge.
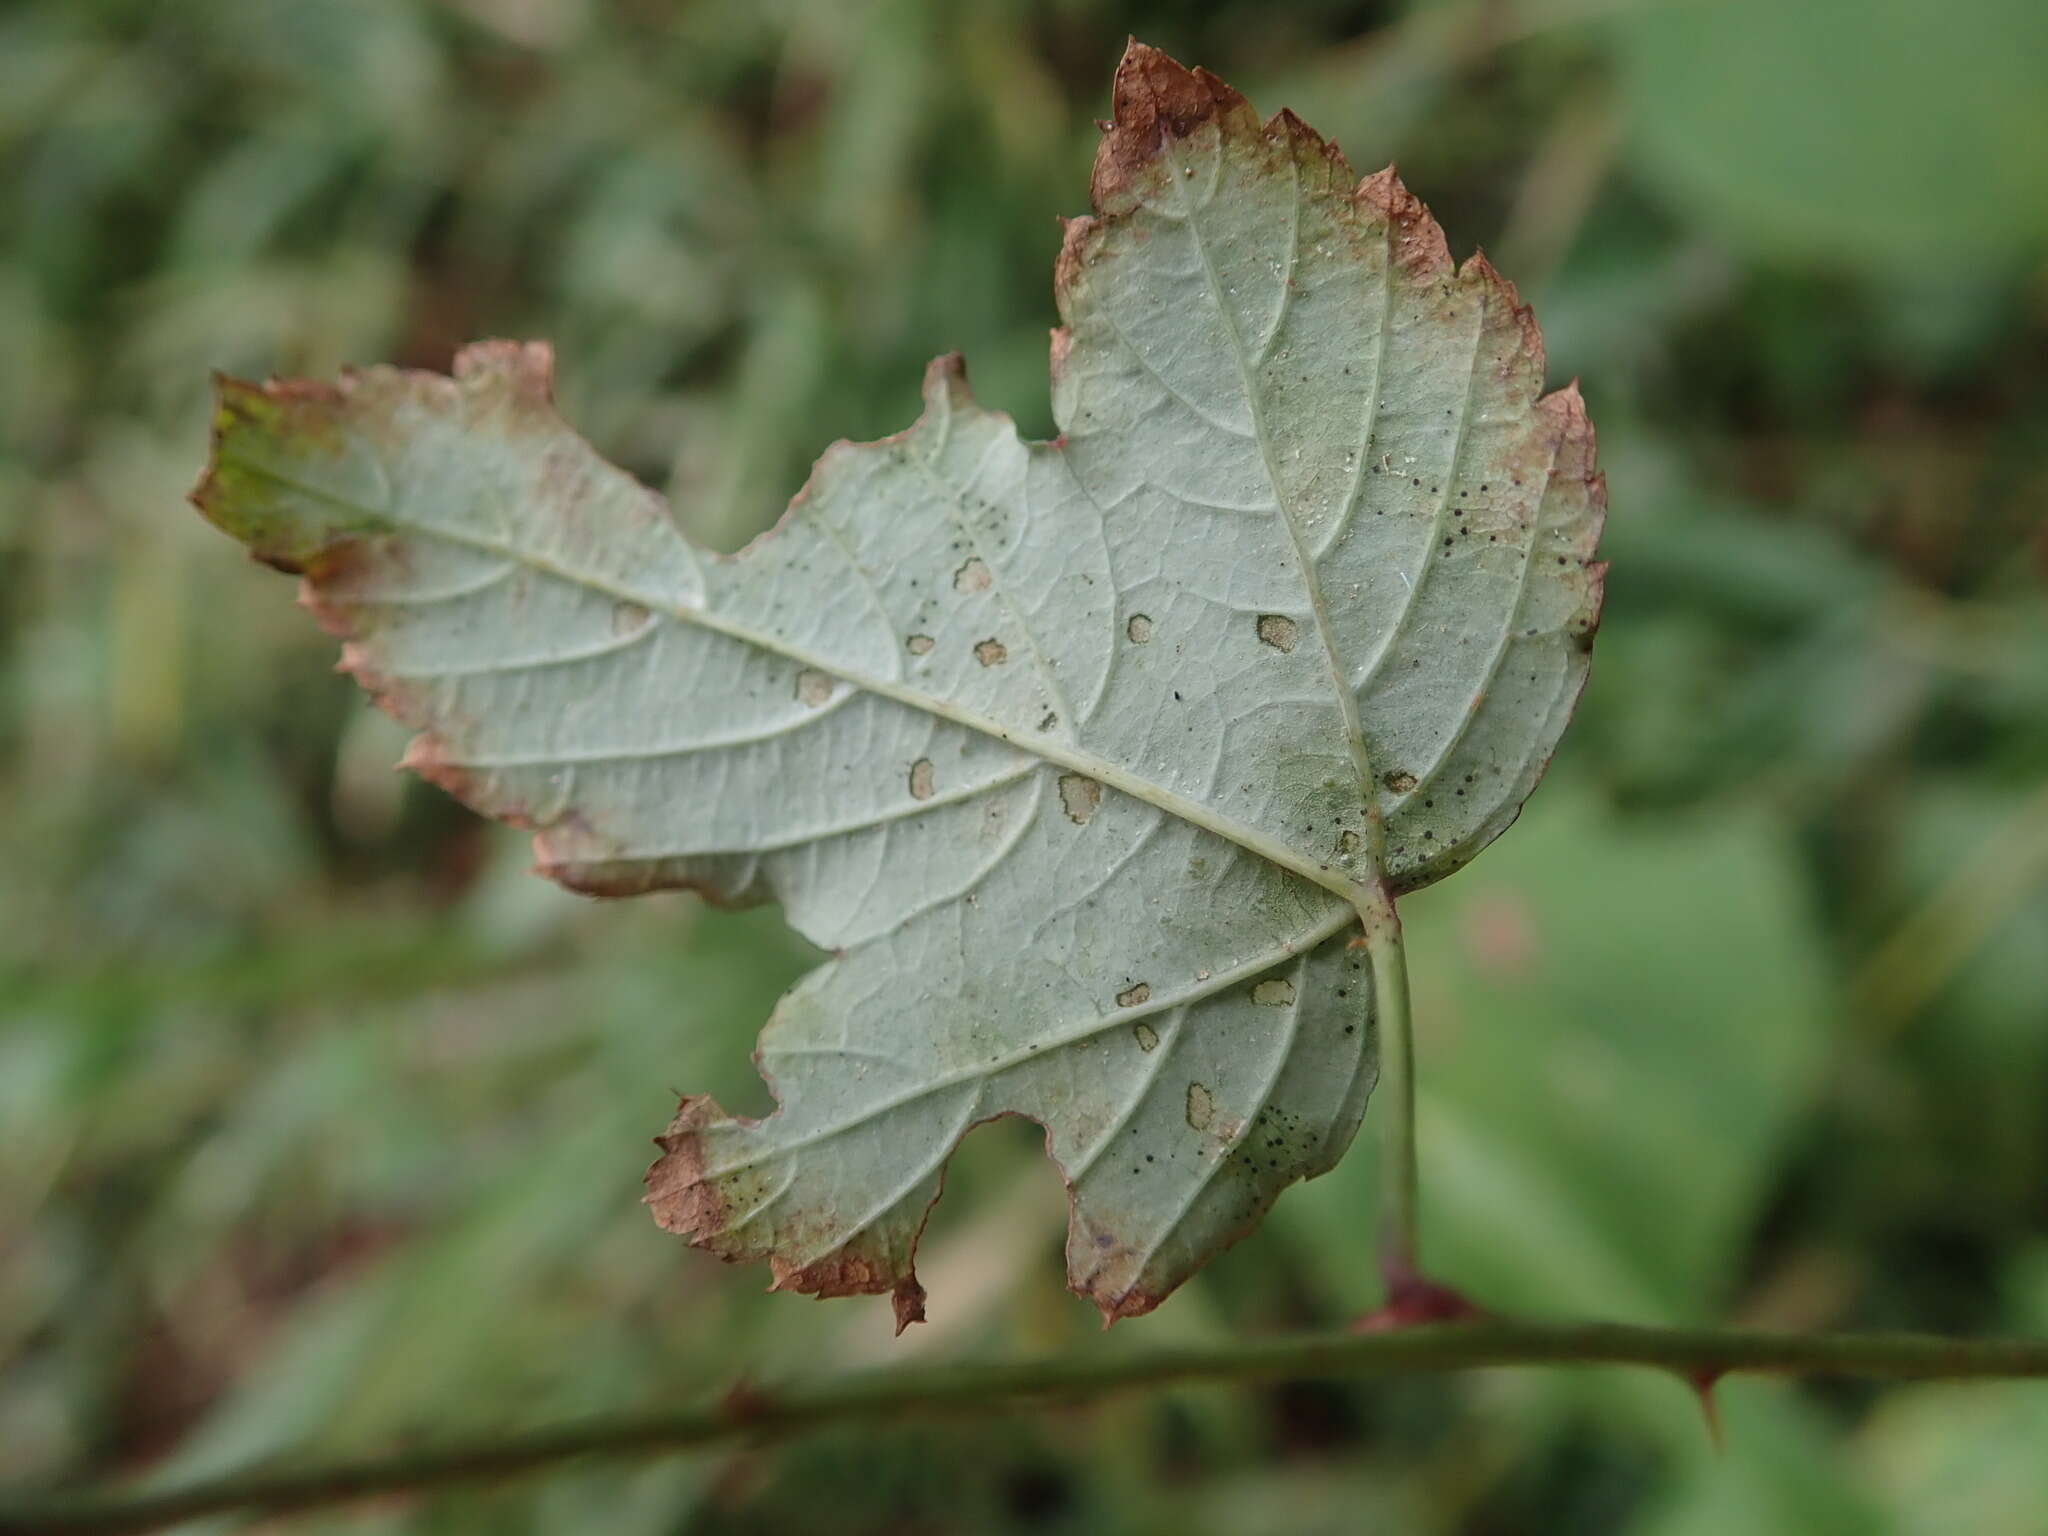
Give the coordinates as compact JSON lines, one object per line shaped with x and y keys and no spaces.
{"x":1400,"y":1199}
{"x":755,"y":1415}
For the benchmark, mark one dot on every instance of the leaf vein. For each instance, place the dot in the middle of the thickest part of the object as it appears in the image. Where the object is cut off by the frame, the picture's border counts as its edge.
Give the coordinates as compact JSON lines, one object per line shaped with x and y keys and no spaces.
{"x":1501,"y":648}
{"x":1333,"y":922}
{"x":1430,"y":558}
{"x":1237,"y":1136}
{"x":1347,"y":702}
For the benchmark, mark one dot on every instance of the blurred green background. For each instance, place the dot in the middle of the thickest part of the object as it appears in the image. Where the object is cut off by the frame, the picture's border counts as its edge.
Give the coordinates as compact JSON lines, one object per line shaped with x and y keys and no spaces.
{"x":321,"y":1122}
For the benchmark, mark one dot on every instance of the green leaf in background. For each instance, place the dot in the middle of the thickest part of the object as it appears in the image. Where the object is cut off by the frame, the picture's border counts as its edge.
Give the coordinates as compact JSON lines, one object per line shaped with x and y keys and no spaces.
{"x":1077,"y":754}
{"x":1867,"y":133}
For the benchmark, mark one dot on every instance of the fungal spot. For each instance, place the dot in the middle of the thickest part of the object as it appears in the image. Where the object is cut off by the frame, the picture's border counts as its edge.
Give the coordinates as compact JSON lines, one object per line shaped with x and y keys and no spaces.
{"x":1201,"y":1106}
{"x":1278,"y":631}
{"x":629,"y":618}
{"x":921,"y":779}
{"x":1139,"y":629}
{"x":972,"y":577}
{"x":1348,"y":843}
{"x":1148,"y":1037}
{"x":1399,"y":780}
{"x":1130,"y":997}
{"x":1274,"y":992}
{"x":1081,"y":796}
{"x":991,"y":653}
{"x":813,"y":687}
{"x":919,"y":645}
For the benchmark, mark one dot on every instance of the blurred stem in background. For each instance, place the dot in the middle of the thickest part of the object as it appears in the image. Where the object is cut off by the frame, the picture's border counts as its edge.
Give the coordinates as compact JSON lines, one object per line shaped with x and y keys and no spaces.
{"x":760,"y":1415}
{"x":1924,"y":952}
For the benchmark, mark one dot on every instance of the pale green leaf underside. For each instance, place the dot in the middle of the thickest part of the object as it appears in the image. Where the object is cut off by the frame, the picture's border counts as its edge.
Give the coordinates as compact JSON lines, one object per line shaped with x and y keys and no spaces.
{"x":1066,"y":749}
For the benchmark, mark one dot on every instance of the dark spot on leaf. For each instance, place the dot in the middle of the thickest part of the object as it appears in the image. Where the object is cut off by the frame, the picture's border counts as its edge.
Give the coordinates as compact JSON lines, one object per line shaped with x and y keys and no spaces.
{"x":1278,"y":631}
{"x":1081,"y":796}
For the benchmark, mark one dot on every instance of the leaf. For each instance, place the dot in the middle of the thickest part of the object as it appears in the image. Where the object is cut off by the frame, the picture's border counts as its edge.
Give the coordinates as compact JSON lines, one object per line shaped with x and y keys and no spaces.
{"x":1070,"y":751}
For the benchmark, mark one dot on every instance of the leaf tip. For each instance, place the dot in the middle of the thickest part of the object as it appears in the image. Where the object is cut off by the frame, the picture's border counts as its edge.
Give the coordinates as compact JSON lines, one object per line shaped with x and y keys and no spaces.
{"x":525,"y":369}
{"x":945,"y":384}
{"x":427,"y":755}
{"x":1155,"y":100}
{"x":1418,"y":240}
{"x":1135,"y":1302}
{"x":1503,"y":290}
{"x":300,"y":415}
{"x":677,"y":1194}
{"x":908,"y":1302}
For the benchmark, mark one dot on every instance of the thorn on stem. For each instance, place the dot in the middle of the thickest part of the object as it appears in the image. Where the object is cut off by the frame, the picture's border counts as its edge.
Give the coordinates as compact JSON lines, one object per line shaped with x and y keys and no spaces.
{"x":1703,"y":1381}
{"x":744,"y":1402}
{"x":1414,"y":1300}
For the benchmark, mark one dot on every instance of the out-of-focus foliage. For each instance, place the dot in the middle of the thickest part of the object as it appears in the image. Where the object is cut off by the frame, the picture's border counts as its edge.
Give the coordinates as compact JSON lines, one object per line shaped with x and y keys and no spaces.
{"x":319,"y":1118}
{"x":1875,"y":134}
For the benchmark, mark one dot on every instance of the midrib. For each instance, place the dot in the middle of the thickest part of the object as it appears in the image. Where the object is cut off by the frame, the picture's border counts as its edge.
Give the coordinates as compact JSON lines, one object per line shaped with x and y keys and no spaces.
{"x":1060,"y":753}
{"x":1347,"y":702}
